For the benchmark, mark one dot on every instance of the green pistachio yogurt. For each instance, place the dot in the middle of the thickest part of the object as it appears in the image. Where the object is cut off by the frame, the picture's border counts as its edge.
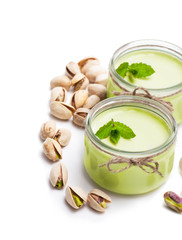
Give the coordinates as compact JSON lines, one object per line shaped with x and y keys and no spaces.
{"x":164,"y":58}
{"x":155,"y":133}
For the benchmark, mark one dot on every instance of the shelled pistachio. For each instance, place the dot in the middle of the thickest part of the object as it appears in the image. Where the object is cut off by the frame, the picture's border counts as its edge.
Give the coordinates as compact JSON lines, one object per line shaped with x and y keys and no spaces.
{"x":84,"y":61}
{"x":79,"y":81}
{"x":75,"y":197}
{"x":79,"y":117}
{"x":173,"y":201}
{"x":61,"y":110}
{"x":63,"y":136}
{"x":91,"y":101}
{"x":52,"y":149}
{"x":79,"y":98}
{"x":97,"y":200}
{"x":97,"y":89}
{"x":58,"y":94}
{"x":72,"y":69}
{"x":48,"y":129}
{"x":58,"y":175}
{"x":61,"y":81}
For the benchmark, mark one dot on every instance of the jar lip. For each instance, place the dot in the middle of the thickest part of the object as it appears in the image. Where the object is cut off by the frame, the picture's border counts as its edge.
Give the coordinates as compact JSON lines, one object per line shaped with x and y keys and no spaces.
{"x":144,"y":43}
{"x":107,"y":103}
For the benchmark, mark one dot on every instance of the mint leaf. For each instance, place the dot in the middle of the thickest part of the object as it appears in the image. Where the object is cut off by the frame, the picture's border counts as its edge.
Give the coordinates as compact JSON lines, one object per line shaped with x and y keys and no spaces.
{"x":115,"y":130}
{"x":115,"y":136}
{"x":141,"y":70}
{"x":122,"y":69}
{"x":135,"y":70}
{"x":125,"y":131}
{"x":105,"y":130}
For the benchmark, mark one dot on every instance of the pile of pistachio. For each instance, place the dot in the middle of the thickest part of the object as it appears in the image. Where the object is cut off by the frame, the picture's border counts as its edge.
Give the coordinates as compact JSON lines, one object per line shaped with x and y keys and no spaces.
{"x":171,"y":199}
{"x":88,"y":80}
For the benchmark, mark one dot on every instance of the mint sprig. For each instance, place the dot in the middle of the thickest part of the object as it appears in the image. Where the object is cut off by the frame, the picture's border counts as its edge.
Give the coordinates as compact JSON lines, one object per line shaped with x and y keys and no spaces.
{"x":135,"y":70}
{"x":114,"y":130}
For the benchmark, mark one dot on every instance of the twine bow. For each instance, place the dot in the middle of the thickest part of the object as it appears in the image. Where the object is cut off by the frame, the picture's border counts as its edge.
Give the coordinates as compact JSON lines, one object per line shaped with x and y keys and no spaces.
{"x":140,"y":162}
{"x":145,"y":94}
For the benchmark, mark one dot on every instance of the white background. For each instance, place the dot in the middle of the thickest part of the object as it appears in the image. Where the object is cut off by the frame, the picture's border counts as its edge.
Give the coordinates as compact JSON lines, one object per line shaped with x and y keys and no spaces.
{"x":37,"y":39}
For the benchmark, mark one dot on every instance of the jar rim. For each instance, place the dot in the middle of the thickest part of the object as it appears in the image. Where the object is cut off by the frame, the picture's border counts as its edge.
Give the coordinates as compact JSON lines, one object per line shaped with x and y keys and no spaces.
{"x":146,"y":43}
{"x":156,"y":107}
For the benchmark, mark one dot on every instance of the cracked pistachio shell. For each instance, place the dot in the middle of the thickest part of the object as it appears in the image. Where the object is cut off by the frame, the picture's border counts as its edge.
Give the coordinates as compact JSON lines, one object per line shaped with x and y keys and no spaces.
{"x":94,"y":71}
{"x":89,"y":64}
{"x":58,"y":94}
{"x":79,"y":117}
{"x":58,"y":172}
{"x":72,"y":69}
{"x":91,"y":101}
{"x":69,"y":197}
{"x":102,"y":79}
{"x":79,"y":98}
{"x":61,"y":81}
{"x":61,"y":110}
{"x":52,"y":149}
{"x":93,"y":203}
{"x":84,"y":61}
{"x":48,"y":129}
{"x":97,"y":89}
{"x":63,"y":136}
{"x":79,"y":81}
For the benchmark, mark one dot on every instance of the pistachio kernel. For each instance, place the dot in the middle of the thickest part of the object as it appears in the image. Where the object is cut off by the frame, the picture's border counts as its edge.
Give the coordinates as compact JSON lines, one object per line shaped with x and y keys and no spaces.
{"x":75,"y":197}
{"x":173,"y":201}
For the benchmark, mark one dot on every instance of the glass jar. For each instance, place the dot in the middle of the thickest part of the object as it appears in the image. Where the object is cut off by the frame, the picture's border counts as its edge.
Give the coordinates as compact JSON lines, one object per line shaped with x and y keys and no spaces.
{"x":134,"y":180}
{"x":171,"y":94}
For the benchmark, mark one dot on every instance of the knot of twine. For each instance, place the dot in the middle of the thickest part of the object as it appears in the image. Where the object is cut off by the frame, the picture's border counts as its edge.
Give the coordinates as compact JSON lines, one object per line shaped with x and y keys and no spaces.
{"x":145,"y":94}
{"x":140,"y":162}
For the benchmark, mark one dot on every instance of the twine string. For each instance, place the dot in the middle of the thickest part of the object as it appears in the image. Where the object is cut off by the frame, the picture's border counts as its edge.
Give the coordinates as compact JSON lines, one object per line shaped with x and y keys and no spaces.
{"x":145,"y":94}
{"x":140,"y":162}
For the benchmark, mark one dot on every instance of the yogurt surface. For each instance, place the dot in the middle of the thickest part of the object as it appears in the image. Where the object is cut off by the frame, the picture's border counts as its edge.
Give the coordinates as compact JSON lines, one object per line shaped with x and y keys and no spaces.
{"x":151,"y":130}
{"x":168,"y":68}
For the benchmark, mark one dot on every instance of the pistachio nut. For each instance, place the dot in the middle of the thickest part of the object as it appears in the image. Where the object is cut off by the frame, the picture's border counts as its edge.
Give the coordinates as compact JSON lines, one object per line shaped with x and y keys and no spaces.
{"x":91,"y":101}
{"x":61,"y":110}
{"x":52,"y":149}
{"x":97,"y":200}
{"x":58,"y":94}
{"x":173,"y":201}
{"x":94,"y":71}
{"x":84,"y":61}
{"x":61,"y":81}
{"x":79,"y":116}
{"x":63,"y":136}
{"x":89,"y":64}
{"x":75,"y":197}
{"x":102,"y":79}
{"x":58,"y":175}
{"x":180,"y":165}
{"x":79,"y":81}
{"x":48,"y":129}
{"x":79,"y":98}
{"x":97,"y":89}
{"x":72,"y":69}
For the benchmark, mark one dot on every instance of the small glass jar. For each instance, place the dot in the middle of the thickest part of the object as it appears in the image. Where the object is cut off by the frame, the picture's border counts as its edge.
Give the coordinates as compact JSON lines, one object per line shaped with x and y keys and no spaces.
{"x":133,"y":180}
{"x":171,"y":94}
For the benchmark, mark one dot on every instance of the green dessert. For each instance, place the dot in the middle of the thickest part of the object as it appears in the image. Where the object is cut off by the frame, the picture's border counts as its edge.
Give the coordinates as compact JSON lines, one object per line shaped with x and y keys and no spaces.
{"x":141,"y":132}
